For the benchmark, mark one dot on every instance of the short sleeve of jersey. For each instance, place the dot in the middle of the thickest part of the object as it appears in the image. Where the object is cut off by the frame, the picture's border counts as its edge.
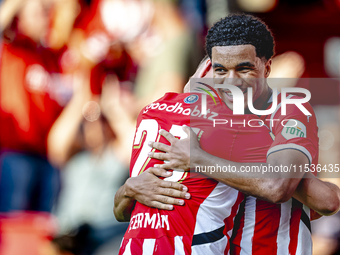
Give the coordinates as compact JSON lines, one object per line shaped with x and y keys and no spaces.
{"x":295,"y":131}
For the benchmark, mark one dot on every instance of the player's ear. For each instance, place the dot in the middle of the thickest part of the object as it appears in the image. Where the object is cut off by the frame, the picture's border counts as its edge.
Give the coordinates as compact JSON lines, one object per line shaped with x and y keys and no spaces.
{"x":268,"y":68}
{"x":206,"y":68}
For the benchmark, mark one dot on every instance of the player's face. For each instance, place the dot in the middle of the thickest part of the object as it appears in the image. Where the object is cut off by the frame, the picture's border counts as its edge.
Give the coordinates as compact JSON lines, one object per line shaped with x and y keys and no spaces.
{"x":239,"y":66}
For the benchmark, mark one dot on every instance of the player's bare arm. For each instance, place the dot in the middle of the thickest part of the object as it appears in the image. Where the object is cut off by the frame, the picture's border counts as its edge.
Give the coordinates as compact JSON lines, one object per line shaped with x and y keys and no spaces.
{"x":186,"y":154}
{"x":322,"y":197}
{"x":123,"y":205}
{"x":148,"y":189}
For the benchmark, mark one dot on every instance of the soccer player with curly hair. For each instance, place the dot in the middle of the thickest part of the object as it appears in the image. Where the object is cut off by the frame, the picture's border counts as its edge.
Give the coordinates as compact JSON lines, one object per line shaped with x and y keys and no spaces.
{"x":274,"y":216}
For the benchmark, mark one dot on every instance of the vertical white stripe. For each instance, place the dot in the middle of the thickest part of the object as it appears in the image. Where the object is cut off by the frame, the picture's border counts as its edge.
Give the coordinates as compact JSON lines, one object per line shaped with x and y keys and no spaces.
{"x":216,"y":207}
{"x":204,"y":104}
{"x":128,"y":248}
{"x":283,"y":237}
{"x":179,"y":247}
{"x":305,"y":244}
{"x":307,"y":210}
{"x":214,"y":248}
{"x":148,"y":246}
{"x":249,"y":226}
{"x":120,"y":246}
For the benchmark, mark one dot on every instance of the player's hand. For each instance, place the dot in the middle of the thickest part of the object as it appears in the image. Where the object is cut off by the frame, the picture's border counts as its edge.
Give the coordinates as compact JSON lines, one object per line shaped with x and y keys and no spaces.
{"x":179,"y":153}
{"x":151,"y":191}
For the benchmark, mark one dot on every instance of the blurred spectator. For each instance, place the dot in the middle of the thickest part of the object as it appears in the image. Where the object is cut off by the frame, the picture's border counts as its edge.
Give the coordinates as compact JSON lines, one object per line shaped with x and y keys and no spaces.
{"x":117,"y":61}
{"x":153,"y":32}
{"x":64,"y":14}
{"x":91,"y":140}
{"x":92,"y":175}
{"x":27,"y":111}
{"x":162,"y":53}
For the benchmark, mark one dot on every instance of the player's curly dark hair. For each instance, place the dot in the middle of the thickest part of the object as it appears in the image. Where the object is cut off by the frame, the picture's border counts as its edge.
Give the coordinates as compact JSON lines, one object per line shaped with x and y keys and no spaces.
{"x":241,"y":29}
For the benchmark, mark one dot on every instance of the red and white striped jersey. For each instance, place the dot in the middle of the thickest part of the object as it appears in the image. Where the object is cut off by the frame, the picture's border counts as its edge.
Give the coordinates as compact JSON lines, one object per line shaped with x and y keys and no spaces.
{"x":259,"y":226}
{"x":204,"y":224}
{"x":279,"y":229}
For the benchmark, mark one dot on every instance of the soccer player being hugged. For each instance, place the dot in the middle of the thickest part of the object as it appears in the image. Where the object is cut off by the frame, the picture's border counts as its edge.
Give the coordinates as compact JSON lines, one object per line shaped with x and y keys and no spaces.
{"x":270,"y":215}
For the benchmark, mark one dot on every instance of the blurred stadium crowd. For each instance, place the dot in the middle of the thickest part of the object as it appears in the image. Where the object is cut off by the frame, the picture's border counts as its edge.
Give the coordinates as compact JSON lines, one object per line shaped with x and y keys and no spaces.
{"x":75,"y":73}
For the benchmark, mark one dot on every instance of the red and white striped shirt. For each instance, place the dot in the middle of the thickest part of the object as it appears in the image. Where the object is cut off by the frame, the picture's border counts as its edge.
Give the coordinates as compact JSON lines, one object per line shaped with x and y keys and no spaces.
{"x":259,"y":226}
{"x":279,"y":229}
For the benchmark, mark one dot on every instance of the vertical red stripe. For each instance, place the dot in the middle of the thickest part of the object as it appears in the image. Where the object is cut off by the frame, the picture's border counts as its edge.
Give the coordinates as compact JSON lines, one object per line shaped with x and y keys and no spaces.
{"x":229,"y":221}
{"x":294,"y":226}
{"x":164,"y":246}
{"x":267,"y":222}
{"x":137,"y":246}
{"x":187,"y":240}
{"x":123,"y":246}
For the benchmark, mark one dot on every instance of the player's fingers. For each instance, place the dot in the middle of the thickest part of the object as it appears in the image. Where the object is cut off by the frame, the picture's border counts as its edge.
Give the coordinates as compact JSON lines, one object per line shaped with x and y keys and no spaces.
{"x":159,"y":172}
{"x":160,"y":156}
{"x":159,"y":146}
{"x":161,"y":206}
{"x":168,"y":200}
{"x":173,"y":165}
{"x":164,"y":166}
{"x":188,"y":130}
{"x":174,"y":193}
{"x":173,"y":185}
{"x":167,"y":135}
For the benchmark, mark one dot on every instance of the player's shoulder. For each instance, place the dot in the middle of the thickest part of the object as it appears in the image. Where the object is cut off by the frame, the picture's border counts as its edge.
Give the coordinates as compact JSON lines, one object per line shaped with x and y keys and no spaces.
{"x":294,"y":118}
{"x":303,"y":101}
{"x":179,"y":106}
